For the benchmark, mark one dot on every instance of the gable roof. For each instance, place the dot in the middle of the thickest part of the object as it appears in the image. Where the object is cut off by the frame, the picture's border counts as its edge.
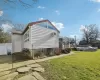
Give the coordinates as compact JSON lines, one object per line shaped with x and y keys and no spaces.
{"x":33,"y":23}
{"x":15,"y":31}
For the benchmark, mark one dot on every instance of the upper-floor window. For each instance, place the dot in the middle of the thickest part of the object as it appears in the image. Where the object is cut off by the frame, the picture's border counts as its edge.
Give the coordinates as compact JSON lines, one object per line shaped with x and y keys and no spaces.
{"x":26,"y":36}
{"x":47,"y":25}
{"x":43,"y":24}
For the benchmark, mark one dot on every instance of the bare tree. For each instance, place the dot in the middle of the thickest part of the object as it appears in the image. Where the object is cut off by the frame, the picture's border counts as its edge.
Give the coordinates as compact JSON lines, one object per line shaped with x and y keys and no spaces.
{"x":21,"y":2}
{"x":90,"y":33}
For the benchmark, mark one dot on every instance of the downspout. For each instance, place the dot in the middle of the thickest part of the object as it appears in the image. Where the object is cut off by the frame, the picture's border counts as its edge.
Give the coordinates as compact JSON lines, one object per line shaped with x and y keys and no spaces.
{"x":32,"y":52}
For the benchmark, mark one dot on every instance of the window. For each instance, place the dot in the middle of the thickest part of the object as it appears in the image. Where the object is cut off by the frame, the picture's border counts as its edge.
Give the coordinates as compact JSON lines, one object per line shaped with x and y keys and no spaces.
{"x":47,"y":25}
{"x":26,"y":36}
{"x":43,"y":24}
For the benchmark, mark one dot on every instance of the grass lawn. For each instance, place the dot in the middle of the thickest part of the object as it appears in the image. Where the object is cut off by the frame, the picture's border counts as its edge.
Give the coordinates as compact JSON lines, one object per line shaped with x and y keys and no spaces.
{"x":79,"y":66}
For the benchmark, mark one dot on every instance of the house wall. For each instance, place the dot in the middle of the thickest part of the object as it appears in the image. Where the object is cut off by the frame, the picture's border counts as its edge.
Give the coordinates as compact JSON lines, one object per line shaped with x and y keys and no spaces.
{"x":27,"y":44}
{"x":41,"y":37}
{"x":16,"y":43}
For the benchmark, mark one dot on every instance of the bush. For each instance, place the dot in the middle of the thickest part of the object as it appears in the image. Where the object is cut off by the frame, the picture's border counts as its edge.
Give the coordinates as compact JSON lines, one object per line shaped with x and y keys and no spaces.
{"x":74,"y":49}
{"x":38,"y":53}
{"x":25,"y":50}
{"x":57,"y":51}
{"x":67,"y":50}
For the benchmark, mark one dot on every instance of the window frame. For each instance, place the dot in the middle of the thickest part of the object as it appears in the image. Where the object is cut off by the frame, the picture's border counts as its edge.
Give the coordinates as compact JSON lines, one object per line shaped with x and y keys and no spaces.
{"x":26,"y":36}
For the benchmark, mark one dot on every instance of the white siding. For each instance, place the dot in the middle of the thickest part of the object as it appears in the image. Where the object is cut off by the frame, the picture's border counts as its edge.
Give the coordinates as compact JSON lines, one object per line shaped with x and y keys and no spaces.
{"x":16,"y":43}
{"x":41,"y":37}
{"x":27,"y":44}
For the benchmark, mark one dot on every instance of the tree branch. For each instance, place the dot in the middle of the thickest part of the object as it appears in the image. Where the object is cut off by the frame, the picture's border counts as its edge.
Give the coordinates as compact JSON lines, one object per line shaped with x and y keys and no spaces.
{"x":22,"y":2}
{"x":25,"y":4}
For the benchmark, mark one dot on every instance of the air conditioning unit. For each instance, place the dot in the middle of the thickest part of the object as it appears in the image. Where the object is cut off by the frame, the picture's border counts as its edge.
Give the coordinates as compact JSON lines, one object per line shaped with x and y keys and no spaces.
{"x":53,"y":34}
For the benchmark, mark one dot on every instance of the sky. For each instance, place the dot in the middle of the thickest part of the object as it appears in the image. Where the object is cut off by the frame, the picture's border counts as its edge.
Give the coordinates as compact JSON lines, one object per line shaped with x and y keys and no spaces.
{"x":69,"y":16}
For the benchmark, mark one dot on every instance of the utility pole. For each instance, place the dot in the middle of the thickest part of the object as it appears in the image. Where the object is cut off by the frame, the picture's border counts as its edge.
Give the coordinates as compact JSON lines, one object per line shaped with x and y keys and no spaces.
{"x":75,"y":40}
{"x":12,"y":59}
{"x":69,"y":43}
{"x":12,"y":53}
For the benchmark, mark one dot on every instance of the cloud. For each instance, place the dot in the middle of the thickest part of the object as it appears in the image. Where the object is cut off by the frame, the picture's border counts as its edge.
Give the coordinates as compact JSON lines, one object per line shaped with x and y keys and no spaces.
{"x":7,"y":27}
{"x":83,"y":28}
{"x":59,"y":26}
{"x":1,"y":12}
{"x":57,"y":12}
{"x":41,"y":7}
{"x":41,"y":19}
{"x":98,"y":1}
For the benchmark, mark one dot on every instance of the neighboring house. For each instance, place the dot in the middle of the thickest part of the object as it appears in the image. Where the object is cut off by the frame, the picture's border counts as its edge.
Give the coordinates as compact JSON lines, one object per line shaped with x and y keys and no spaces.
{"x":64,"y":43}
{"x":36,"y":35}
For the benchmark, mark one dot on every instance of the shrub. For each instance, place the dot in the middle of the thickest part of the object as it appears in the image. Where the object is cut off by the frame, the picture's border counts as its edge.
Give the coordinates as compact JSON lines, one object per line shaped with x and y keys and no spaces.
{"x":37,"y":53}
{"x":67,"y":50}
{"x":74,"y":49}
{"x":25,"y":50}
{"x":57,"y":51}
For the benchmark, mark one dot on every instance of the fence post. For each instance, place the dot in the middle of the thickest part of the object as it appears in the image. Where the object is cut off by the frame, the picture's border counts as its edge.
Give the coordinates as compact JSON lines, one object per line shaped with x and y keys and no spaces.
{"x":32,"y":52}
{"x":12,"y":59}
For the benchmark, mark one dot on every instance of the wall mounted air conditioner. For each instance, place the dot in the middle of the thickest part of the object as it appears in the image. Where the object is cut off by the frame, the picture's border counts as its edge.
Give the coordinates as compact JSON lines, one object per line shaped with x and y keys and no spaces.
{"x":53,"y":34}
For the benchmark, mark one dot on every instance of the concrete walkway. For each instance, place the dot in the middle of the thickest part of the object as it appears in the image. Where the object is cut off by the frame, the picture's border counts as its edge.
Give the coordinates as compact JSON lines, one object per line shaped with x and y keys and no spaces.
{"x":29,"y":73}
{"x":53,"y":57}
{"x":6,"y":66}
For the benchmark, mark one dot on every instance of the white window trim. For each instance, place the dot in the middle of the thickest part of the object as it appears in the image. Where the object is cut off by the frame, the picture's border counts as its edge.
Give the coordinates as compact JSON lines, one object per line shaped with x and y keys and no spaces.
{"x":25,"y":40}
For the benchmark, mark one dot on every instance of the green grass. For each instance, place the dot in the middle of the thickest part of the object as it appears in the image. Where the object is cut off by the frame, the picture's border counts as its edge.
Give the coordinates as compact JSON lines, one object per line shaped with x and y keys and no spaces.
{"x":79,"y":66}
